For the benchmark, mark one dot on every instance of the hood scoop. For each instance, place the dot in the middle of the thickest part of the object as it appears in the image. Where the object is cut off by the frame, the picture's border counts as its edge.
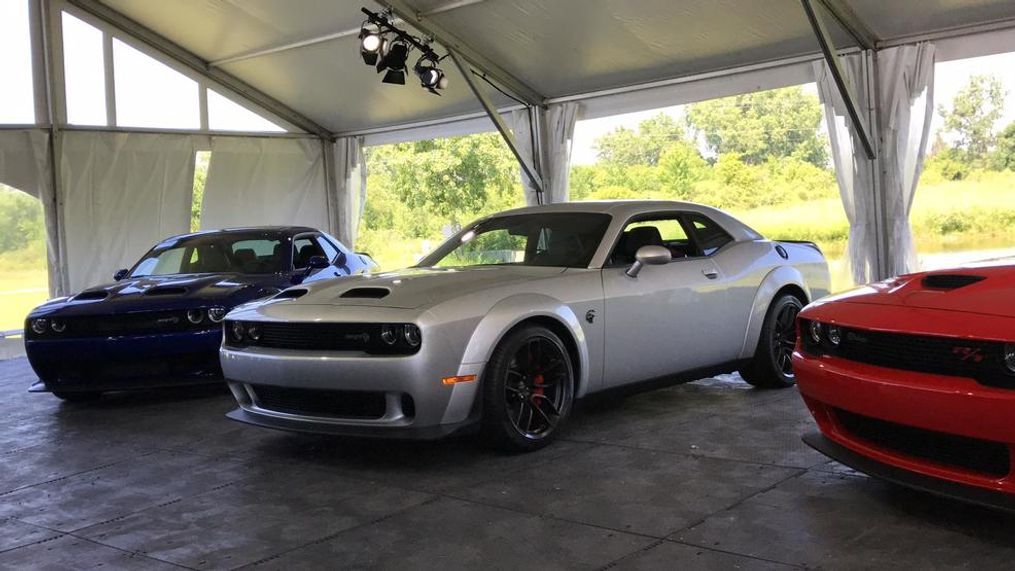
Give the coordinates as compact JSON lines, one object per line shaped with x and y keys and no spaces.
{"x":950,"y":281}
{"x":291,"y":294}
{"x":168,"y":290}
{"x":367,"y":293}
{"x":91,"y":296}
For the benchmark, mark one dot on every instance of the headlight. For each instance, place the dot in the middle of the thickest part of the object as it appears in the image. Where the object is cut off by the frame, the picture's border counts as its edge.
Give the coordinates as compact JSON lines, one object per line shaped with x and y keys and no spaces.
{"x":57,"y":326}
{"x":195,"y":316}
{"x":814,"y":330}
{"x":1009,"y":357}
{"x":40,"y":326}
{"x":834,"y":335}
{"x":236,"y":331}
{"x":388,"y":334}
{"x":254,"y":332}
{"x":412,"y":335}
{"x":217,"y":314}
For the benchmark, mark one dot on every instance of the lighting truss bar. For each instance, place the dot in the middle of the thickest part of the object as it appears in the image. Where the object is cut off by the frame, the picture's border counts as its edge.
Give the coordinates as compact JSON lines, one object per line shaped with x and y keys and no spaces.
{"x":828,"y":49}
{"x":477,"y":60}
{"x":498,"y":121}
{"x":192,"y":61}
{"x":386,"y":26}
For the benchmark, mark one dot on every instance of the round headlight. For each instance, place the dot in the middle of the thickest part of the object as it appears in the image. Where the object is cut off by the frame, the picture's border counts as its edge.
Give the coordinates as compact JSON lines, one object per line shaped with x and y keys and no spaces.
{"x":388,"y":334}
{"x":814,"y":330}
{"x":412,"y":335}
{"x":58,"y":326}
{"x":236,"y":330}
{"x":217,"y":314}
{"x":254,"y":332}
{"x":40,"y":325}
{"x":1009,"y":357}
{"x":834,"y":335}
{"x":195,"y":316}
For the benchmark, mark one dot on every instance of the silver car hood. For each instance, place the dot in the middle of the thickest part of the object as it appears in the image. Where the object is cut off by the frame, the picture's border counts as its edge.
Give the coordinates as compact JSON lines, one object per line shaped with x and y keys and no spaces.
{"x":417,"y":287}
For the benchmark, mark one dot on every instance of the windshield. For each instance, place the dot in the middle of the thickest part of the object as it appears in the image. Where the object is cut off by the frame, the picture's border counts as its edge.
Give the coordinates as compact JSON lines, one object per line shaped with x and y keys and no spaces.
{"x":555,"y":239}
{"x":232,"y":252}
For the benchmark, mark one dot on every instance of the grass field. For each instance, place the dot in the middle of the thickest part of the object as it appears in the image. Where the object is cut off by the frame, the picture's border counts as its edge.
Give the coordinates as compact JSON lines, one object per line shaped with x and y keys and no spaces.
{"x":20,"y":291}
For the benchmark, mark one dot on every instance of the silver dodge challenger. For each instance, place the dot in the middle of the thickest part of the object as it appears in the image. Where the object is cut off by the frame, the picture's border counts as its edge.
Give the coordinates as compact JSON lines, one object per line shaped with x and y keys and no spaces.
{"x":511,"y":320}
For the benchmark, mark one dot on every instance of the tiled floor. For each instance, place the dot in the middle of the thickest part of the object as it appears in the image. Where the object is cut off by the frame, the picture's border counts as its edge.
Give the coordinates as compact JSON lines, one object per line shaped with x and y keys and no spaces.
{"x":709,"y":475}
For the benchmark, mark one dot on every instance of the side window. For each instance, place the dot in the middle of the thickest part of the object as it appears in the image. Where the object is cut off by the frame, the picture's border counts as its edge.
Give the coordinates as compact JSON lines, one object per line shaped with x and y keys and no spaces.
{"x":666,"y":232}
{"x":709,"y":235}
{"x":304,"y":248}
{"x":329,"y":249}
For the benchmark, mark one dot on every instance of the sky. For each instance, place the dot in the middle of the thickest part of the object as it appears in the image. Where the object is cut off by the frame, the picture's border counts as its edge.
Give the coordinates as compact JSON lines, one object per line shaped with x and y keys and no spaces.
{"x":150,"y":94}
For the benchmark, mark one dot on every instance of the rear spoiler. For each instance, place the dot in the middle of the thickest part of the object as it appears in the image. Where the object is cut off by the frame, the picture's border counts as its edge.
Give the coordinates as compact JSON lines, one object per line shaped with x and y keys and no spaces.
{"x":803,"y":243}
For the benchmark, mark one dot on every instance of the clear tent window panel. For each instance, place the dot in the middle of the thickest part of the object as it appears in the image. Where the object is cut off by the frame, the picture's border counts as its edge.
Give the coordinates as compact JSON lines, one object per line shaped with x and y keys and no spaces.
{"x":151,"y":94}
{"x":226,"y":115}
{"x":17,"y":98}
{"x":84,"y":72}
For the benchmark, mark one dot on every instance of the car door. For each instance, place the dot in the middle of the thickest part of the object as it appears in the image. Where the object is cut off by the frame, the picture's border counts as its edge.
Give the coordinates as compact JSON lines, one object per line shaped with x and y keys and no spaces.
{"x":663,"y":321}
{"x":306,"y":246}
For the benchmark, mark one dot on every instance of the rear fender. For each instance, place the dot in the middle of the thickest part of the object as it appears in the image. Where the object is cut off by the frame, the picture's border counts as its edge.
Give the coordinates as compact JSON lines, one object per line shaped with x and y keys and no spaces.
{"x":777,"y":279}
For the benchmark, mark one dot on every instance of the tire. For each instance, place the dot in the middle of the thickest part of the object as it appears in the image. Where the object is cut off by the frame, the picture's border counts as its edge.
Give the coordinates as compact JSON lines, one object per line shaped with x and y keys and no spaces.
{"x":772,"y":367}
{"x":83,"y":396}
{"x":526,"y":403}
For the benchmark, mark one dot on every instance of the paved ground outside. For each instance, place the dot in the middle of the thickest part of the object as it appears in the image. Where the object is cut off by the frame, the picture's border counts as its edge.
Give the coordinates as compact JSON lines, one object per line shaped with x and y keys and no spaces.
{"x":709,"y":475}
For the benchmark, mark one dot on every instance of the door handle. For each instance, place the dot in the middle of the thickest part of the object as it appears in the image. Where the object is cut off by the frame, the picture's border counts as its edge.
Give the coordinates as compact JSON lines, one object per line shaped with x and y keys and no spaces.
{"x":710,"y":273}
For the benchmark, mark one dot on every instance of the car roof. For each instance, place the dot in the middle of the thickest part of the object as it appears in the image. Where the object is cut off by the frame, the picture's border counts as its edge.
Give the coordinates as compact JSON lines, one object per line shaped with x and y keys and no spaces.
{"x":625,"y":209}
{"x":249,"y":229}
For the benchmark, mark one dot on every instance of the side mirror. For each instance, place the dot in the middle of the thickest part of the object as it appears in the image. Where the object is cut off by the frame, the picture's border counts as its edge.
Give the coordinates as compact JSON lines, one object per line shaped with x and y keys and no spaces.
{"x":317,"y":263}
{"x":340,"y":259}
{"x":120,"y":274}
{"x":649,"y":256}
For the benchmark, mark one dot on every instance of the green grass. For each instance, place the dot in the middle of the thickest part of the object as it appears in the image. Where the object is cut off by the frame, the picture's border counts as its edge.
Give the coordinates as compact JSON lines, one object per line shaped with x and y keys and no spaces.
{"x":20,"y":291}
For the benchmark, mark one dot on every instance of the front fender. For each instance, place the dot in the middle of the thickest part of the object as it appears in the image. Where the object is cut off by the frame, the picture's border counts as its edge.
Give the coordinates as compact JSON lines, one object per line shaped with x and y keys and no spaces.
{"x":777,"y":279}
{"x":511,"y":311}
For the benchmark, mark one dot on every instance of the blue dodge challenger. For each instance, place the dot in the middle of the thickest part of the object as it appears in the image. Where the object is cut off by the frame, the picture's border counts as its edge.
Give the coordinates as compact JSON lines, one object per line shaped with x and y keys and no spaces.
{"x":159,"y":323}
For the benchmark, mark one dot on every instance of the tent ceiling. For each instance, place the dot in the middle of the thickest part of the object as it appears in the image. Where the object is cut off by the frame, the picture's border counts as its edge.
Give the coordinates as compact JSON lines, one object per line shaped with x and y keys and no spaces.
{"x":558,"y":48}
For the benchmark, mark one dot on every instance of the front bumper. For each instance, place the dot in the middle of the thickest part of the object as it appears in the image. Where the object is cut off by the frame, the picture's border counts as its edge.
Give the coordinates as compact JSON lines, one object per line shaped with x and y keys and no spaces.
{"x":926,"y":409}
{"x":310,"y":391}
{"x":125,"y":362}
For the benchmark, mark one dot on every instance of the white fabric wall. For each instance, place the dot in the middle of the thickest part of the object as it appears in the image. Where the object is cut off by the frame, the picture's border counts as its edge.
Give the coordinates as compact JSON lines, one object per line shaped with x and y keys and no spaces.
{"x":265,"y":181}
{"x":906,"y":103}
{"x":853,"y":171}
{"x":557,"y":125}
{"x":351,"y":189}
{"x":123,"y":192}
{"x":25,"y":165}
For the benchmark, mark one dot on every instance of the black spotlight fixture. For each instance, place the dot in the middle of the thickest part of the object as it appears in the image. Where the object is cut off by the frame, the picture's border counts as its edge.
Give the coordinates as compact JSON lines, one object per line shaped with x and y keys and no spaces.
{"x":387,"y":48}
{"x":396,"y":52}
{"x":431,"y":77}
{"x":370,"y":42}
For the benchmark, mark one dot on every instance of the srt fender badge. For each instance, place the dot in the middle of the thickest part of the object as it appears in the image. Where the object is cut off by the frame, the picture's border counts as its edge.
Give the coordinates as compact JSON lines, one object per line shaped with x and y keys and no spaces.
{"x":590,"y":315}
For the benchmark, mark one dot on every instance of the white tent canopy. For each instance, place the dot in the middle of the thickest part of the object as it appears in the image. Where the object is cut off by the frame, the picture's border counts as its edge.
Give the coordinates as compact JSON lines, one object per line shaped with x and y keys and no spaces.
{"x":295,"y":63}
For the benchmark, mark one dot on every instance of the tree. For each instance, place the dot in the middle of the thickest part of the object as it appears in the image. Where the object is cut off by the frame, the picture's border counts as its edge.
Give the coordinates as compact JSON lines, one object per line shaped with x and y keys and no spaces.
{"x":757,"y":126}
{"x":681,"y":166}
{"x":973,"y":114}
{"x":625,"y":147}
{"x":1004,"y":155}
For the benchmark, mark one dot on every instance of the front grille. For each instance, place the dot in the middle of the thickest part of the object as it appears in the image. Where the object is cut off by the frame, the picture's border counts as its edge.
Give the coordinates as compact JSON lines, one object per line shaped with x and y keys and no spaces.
{"x":196,"y":366}
{"x":365,"y":337}
{"x":979,"y":360}
{"x":972,"y":454}
{"x":316,"y":402}
{"x":134,"y":323}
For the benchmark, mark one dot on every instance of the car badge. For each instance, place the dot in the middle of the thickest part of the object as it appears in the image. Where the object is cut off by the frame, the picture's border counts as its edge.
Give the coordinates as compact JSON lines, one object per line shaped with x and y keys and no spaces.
{"x":361,"y":337}
{"x":969,"y":354}
{"x":856,"y":338}
{"x":167,"y":321}
{"x":590,"y":315}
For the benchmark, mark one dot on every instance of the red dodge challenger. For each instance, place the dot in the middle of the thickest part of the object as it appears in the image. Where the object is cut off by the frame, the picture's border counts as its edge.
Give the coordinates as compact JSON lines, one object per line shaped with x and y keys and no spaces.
{"x":913,"y":380}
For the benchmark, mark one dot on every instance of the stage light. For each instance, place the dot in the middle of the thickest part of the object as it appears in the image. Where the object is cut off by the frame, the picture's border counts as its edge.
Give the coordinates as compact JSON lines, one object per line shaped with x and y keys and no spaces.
{"x":393,"y":61}
{"x":370,"y":42}
{"x":431,"y":77}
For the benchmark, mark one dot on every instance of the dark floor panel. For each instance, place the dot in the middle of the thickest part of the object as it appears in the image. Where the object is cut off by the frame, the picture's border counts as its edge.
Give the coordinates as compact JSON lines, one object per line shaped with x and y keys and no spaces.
{"x":627,"y":489}
{"x":15,"y":533}
{"x":468,"y":536}
{"x":72,"y":554}
{"x":669,"y":555}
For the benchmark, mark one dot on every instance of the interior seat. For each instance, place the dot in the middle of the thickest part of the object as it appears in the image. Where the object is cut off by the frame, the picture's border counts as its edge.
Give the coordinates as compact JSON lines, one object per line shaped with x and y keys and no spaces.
{"x":303,"y":256}
{"x":632,"y":240}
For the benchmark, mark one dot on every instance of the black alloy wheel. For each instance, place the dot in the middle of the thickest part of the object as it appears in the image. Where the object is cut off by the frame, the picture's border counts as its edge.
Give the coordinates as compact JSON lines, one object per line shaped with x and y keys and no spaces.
{"x":528,"y":390}
{"x":784,"y":339}
{"x":772,"y":364}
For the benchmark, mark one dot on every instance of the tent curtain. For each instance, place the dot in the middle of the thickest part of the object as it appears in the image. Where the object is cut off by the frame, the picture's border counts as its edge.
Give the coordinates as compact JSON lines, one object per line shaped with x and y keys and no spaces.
{"x":123,"y":192}
{"x":906,"y":101}
{"x":854,"y":172}
{"x":265,"y":181}
{"x":558,"y":123}
{"x":351,"y":189}
{"x":25,"y":165}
